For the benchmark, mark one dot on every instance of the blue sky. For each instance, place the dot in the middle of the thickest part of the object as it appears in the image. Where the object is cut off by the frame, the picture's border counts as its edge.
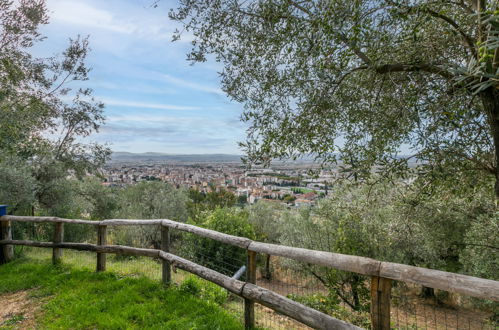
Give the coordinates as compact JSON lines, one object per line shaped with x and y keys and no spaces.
{"x":155,"y":100}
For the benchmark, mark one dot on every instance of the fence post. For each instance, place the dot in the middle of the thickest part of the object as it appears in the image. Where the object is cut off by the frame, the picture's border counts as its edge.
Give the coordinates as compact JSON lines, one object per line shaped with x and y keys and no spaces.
{"x":101,"y":240}
{"x":7,"y":251}
{"x":249,"y":305}
{"x":380,"y":303}
{"x":165,"y":246}
{"x":58,"y":238}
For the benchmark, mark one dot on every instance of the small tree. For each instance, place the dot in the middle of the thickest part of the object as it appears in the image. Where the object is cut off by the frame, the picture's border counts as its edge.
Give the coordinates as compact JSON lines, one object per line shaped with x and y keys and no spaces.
{"x":333,"y":226}
{"x":266,"y":218}
{"x":40,"y":97}
{"x":150,"y":200}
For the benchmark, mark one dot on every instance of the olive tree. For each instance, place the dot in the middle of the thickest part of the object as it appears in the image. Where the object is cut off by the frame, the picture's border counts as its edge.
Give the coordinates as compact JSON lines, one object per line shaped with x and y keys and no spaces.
{"x":149,"y":200}
{"x":45,"y":113}
{"x":359,"y":81}
{"x":337,"y":226}
{"x":266,"y":218}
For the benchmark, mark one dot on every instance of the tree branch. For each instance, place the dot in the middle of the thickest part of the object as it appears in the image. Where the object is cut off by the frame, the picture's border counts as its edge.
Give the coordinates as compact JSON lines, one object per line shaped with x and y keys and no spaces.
{"x":468,"y":40}
{"x":338,"y":81}
{"x":404,"y":67}
{"x":300,"y":7}
{"x":470,"y":43}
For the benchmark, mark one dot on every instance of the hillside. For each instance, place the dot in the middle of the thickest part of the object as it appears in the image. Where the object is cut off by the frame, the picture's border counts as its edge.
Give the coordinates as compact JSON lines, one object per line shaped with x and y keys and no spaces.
{"x":127,"y":157}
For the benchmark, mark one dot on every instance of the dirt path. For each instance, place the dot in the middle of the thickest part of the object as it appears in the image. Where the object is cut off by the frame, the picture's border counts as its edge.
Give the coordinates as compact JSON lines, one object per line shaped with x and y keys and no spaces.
{"x":18,"y":310}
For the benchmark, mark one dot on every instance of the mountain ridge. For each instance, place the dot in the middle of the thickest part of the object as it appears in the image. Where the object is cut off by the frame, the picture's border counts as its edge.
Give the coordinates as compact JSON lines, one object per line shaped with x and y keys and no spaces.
{"x":125,"y":156}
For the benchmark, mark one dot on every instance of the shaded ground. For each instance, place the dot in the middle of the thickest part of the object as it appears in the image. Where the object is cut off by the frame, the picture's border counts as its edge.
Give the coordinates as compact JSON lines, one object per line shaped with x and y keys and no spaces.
{"x":408,"y":310}
{"x":18,"y":310}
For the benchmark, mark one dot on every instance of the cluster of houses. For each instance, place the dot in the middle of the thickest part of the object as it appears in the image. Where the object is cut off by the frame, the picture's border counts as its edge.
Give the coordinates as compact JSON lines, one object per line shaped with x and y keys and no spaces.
{"x":290,"y":186}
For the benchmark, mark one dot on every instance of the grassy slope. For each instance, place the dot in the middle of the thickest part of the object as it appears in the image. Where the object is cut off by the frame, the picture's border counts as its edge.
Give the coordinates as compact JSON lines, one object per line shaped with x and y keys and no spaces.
{"x":81,"y":299}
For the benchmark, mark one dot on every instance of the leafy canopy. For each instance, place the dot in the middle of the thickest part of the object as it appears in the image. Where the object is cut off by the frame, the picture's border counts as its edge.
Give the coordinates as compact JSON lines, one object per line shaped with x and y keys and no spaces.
{"x":358,"y":80}
{"x":45,"y":112}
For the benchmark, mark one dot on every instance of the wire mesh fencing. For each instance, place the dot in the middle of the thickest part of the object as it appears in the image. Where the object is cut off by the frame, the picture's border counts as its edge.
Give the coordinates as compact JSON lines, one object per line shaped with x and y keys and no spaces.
{"x":221,"y":257}
{"x":418,"y":307}
{"x":305,"y":284}
{"x":137,"y":266}
{"x":343,"y":295}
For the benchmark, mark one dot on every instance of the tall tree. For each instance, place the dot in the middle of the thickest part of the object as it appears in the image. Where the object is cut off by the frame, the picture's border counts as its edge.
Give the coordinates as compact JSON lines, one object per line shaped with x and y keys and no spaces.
{"x":44,"y":113}
{"x":359,"y":80}
{"x":40,"y":98}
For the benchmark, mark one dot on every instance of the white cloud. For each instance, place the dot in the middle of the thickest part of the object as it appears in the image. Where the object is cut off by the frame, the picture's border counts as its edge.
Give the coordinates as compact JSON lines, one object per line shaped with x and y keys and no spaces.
{"x":133,"y":86}
{"x":132,"y":59}
{"x":193,"y":85}
{"x":78,"y":13}
{"x":140,"y":21}
{"x":109,"y":101}
{"x":152,"y":121}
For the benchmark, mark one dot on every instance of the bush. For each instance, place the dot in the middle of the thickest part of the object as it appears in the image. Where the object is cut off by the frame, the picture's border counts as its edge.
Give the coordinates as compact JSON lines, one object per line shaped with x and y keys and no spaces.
{"x":205,"y":290}
{"x":148,"y":200}
{"x":218,"y":256}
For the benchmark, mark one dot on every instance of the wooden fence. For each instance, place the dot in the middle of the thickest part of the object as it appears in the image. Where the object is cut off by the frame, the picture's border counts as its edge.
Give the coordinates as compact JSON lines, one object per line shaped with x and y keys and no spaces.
{"x":381,"y":273}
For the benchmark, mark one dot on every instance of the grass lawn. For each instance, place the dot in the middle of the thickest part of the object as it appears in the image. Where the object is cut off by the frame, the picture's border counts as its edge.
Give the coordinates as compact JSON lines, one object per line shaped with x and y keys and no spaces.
{"x":79,"y":298}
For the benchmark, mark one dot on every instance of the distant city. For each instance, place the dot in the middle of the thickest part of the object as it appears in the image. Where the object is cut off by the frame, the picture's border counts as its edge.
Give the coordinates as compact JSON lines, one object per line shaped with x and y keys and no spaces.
{"x":291,"y":182}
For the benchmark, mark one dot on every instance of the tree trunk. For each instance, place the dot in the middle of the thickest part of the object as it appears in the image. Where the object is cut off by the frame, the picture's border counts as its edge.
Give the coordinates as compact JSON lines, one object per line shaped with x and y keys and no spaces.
{"x":354,"y":286}
{"x":490,"y":101}
{"x":356,"y":299}
{"x":267,"y":274}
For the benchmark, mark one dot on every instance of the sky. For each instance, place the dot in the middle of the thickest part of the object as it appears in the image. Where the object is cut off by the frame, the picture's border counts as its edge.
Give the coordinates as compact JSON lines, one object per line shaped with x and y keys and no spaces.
{"x":156,"y":101}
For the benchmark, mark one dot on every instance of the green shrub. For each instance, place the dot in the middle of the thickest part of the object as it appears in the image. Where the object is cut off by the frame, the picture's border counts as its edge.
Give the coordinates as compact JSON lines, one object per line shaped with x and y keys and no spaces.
{"x":320,"y":302}
{"x":218,"y":256}
{"x":204,"y":290}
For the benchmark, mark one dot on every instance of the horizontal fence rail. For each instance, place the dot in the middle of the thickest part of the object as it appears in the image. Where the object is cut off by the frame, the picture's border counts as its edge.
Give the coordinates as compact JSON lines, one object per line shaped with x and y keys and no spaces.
{"x":381,"y":272}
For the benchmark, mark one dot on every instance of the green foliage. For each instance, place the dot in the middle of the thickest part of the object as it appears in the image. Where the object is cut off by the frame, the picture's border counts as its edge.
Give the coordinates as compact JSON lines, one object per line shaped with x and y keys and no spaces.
{"x":60,"y":196}
{"x":14,"y":320}
{"x":204,"y":290}
{"x":200,"y":202}
{"x":229,"y":221}
{"x":35,"y":94}
{"x":289,"y":198}
{"x":358,"y":81}
{"x":443,"y":230}
{"x":266,"y":220}
{"x":17,"y":186}
{"x":215,"y":255}
{"x":102,"y":201}
{"x":242,"y":199}
{"x":83,"y":299}
{"x":148,"y":200}
{"x":36,"y":102}
{"x":302,"y":190}
{"x":152,"y":200}
{"x":480,"y":256}
{"x":329,"y":305}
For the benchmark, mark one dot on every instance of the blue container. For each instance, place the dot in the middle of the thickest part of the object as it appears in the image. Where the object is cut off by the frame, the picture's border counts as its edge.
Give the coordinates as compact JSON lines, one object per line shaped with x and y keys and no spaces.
{"x":3,"y":210}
